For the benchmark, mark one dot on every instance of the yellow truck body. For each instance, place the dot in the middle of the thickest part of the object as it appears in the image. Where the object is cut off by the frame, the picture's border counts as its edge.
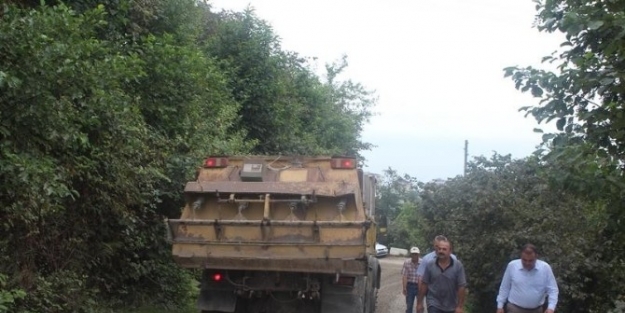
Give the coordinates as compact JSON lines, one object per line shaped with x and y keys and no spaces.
{"x":304,"y":224}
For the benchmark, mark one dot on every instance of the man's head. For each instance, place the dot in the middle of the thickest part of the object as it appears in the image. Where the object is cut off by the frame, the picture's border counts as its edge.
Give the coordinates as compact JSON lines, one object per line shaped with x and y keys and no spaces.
{"x":414,"y":254}
{"x":438,"y":239}
{"x":529,"y":255}
{"x":443,"y":249}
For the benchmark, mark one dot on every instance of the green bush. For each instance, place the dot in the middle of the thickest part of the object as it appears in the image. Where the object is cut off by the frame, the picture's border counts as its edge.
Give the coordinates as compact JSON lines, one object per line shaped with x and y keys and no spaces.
{"x":106,"y":107}
{"x":62,"y":291}
{"x":8,"y":297}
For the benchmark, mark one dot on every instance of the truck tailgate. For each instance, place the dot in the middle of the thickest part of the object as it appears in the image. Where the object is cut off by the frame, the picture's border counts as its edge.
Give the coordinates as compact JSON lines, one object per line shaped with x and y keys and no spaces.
{"x":304,"y":246}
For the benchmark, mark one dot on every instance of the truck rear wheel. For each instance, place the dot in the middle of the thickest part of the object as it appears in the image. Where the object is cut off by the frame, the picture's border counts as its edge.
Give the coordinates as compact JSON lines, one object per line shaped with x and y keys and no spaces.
{"x":374,"y":273}
{"x":371,"y":296}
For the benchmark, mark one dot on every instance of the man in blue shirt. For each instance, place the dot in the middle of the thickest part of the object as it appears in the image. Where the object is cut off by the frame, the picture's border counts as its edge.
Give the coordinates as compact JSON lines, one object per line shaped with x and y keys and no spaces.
{"x":525,"y":284}
{"x":444,"y":282}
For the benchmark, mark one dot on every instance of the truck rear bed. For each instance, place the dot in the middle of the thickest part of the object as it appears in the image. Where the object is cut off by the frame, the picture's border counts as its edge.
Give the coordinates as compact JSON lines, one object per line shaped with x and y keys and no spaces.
{"x":275,"y":214}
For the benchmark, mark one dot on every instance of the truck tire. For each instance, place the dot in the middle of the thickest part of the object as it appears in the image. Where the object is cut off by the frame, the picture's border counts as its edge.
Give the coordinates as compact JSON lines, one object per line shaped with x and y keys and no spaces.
{"x":371,"y":296}
{"x":374,"y":274}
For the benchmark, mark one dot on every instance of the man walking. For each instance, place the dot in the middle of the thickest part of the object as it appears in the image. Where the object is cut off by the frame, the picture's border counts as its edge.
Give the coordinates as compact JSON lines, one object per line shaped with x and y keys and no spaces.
{"x":444,"y":282}
{"x":525,"y":284}
{"x":431,"y":256}
{"x":409,"y":278}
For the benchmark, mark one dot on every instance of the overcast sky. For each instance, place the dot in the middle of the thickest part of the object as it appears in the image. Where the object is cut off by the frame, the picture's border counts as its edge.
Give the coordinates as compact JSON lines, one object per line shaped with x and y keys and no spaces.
{"x":436,"y":67}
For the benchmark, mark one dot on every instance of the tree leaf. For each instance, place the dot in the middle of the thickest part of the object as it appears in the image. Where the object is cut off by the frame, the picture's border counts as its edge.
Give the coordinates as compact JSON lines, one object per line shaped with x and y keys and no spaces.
{"x":606,"y":81}
{"x":596,"y":24}
{"x":547,"y":137}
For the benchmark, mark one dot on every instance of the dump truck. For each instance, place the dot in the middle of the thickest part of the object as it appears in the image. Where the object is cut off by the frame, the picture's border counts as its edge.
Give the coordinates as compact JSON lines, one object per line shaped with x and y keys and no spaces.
{"x":280,"y":234}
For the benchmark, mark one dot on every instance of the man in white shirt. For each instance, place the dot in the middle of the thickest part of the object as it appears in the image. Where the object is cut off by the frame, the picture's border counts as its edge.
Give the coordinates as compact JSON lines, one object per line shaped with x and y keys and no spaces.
{"x":525,"y":284}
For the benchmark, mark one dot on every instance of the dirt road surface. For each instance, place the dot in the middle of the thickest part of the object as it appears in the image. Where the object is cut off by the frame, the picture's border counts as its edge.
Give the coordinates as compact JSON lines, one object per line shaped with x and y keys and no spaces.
{"x":390,"y":298}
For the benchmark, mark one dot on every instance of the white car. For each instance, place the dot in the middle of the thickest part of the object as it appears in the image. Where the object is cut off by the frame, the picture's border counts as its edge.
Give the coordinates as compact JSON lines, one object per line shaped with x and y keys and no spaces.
{"x":380,"y":250}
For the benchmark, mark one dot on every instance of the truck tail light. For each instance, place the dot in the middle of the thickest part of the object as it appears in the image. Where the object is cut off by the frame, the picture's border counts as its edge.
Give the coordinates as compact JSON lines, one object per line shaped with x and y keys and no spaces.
{"x":217,"y":277}
{"x":343,"y":163}
{"x":213,"y":162}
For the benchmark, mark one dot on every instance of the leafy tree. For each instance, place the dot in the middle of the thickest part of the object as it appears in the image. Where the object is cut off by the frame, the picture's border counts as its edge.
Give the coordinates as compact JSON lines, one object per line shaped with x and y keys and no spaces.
{"x":585,"y":95}
{"x":105,"y":110}
{"x":397,"y":201}
{"x":407,"y":229}
{"x":354,"y":103}
{"x":72,"y":140}
{"x":284,"y":106}
{"x":250,"y":52}
{"x":189,"y":110}
{"x":585,"y":98}
{"x":96,"y":142}
{"x":8,"y":296}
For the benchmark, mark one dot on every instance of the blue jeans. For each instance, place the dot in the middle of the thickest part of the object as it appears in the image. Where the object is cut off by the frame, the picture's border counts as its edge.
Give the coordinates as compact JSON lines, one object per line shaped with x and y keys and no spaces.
{"x":412,"y":290}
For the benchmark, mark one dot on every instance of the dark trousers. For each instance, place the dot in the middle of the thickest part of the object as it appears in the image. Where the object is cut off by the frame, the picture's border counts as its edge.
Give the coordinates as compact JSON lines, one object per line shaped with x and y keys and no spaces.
{"x":412,"y":290}
{"x":512,"y":308}
{"x":433,"y":309}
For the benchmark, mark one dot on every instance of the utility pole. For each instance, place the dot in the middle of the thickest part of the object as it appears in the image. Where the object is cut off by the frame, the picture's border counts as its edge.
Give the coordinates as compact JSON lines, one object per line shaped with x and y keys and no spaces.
{"x":466,"y":155}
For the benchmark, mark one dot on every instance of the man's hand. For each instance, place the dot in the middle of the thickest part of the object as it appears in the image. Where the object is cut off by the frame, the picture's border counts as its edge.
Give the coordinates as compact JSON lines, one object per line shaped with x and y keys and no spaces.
{"x":500,"y":310}
{"x":548,"y":311}
{"x":404,"y":291}
{"x":459,"y":310}
{"x":419,"y":307}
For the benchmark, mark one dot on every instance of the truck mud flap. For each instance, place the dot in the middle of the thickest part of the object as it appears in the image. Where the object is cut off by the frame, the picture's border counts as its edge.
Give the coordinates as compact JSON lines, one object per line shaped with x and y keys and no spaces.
{"x":339,"y":299}
{"x":217,"y":300}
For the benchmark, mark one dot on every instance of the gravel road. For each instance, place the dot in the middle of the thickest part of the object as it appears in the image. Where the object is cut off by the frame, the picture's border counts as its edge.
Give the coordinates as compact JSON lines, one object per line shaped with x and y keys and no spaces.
{"x":390,"y":299}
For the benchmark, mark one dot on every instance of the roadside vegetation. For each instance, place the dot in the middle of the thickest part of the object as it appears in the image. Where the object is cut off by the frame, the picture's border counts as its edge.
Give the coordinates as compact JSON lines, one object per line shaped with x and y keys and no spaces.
{"x":567,"y":198}
{"x":106,"y":109}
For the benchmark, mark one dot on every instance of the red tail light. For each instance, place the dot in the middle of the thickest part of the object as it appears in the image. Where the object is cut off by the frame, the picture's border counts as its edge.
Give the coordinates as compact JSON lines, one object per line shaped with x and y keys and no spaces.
{"x":213,"y":162}
{"x":343,"y":163}
{"x":217,"y":277}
